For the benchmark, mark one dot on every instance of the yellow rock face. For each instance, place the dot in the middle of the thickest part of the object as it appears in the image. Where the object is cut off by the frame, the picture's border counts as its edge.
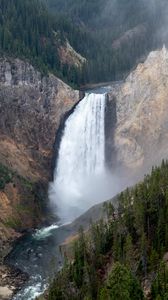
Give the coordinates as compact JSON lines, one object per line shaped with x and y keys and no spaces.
{"x":141,"y":137}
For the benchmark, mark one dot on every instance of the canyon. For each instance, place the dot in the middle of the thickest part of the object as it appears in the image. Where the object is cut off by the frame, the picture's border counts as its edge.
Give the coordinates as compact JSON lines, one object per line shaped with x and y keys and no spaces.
{"x":33,"y":109}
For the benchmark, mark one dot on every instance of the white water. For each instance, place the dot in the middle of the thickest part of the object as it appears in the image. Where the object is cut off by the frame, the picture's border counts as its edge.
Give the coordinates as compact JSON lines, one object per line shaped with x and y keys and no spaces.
{"x":81,"y":178}
{"x":31,"y":292}
{"x":44,"y":232}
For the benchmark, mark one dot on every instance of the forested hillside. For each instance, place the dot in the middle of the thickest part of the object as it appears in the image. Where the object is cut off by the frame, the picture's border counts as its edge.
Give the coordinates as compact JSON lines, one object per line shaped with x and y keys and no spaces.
{"x":125,"y":255}
{"x":122,"y":33}
{"x":111,"y":35}
{"x":28,"y":30}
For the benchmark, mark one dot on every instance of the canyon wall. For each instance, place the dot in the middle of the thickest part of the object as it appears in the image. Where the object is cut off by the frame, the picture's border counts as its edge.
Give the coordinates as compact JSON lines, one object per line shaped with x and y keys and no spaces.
{"x":141,"y":135}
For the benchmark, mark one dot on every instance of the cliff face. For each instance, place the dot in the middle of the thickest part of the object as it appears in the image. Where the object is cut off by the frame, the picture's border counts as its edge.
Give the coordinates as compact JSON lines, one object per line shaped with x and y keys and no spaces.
{"x":141,"y":136}
{"x":31,"y":107}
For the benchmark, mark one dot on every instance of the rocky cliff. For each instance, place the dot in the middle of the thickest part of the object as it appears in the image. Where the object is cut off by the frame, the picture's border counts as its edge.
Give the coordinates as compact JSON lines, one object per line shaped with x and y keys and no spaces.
{"x":141,"y":135}
{"x":31,"y":107}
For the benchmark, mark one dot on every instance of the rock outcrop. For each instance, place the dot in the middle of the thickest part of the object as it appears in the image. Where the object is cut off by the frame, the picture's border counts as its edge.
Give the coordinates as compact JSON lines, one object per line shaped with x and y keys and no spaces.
{"x":141,"y":136}
{"x":69,"y":56}
{"x":31,"y":107}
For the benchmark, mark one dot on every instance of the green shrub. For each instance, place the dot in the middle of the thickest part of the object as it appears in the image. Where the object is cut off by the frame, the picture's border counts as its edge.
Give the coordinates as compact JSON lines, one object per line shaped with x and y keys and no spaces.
{"x":5,"y":176}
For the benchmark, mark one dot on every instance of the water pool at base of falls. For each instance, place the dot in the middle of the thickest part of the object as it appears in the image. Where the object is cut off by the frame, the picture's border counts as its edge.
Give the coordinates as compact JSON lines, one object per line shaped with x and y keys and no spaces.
{"x":38,"y":255}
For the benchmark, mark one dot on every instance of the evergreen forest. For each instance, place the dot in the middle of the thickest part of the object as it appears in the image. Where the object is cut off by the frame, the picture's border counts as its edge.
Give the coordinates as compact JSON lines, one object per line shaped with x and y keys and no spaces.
{"x":118,"y":254}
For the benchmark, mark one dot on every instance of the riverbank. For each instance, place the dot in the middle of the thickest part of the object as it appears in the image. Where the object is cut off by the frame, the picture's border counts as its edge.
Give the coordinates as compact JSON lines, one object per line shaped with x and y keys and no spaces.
{"x":40,"y":255}
{"x":11,"y":281}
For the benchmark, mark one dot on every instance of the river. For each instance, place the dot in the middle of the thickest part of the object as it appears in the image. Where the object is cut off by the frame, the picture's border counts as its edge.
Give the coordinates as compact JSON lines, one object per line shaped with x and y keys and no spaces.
{"x":38,"y":254}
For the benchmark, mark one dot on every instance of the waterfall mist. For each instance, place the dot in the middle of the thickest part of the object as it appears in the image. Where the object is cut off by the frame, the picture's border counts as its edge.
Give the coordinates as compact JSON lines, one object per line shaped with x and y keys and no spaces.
{"x":81,"y":178}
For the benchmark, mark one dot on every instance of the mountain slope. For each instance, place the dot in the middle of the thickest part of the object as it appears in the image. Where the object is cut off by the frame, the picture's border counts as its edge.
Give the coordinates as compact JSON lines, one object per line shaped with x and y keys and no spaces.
{"x":110,"y":36}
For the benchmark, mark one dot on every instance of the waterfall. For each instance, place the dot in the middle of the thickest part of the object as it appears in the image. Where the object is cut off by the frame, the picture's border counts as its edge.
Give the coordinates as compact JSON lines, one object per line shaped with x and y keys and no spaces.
{"x":80,"y":174}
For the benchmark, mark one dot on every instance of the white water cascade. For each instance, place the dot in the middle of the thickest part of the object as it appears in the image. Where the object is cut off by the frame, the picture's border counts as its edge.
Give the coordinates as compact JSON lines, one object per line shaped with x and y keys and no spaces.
{"x":80,"y":178}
